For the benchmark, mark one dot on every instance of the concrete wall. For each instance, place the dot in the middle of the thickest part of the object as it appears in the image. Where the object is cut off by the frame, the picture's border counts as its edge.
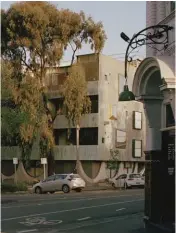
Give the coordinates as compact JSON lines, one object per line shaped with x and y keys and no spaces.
{"x":110,"y":69}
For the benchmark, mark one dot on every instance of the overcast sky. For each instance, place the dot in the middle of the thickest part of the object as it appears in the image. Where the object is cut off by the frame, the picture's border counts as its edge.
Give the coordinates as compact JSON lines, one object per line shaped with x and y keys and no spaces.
{"x":126,"y":16}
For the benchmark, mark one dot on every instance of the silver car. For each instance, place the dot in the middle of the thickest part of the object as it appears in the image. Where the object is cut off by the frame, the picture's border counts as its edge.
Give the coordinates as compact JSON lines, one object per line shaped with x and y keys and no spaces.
{"x":60,"y":182}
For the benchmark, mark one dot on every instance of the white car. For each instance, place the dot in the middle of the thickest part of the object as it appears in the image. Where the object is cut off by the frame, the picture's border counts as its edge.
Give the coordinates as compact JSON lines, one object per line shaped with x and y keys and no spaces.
{"x":129,"y":181}
{"x":60,"y":182}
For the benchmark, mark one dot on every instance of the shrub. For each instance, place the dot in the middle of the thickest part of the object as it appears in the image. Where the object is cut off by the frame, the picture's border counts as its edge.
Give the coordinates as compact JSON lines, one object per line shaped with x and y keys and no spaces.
{"x":13,"y":187}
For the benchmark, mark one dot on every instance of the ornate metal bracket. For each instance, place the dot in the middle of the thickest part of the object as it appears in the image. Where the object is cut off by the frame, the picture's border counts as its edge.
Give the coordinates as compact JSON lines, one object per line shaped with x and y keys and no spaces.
{"x":157,"y":34}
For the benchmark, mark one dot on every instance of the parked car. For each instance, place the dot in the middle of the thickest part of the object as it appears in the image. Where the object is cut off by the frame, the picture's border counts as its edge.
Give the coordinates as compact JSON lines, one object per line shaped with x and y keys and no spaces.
{"x":129,"y":181}
{"x":60,"y":182}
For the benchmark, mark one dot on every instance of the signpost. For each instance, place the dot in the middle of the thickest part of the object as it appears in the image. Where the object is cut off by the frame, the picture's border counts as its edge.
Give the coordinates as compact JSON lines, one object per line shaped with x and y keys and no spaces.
{"x":44,"y":162}
{"x":15,"y":162}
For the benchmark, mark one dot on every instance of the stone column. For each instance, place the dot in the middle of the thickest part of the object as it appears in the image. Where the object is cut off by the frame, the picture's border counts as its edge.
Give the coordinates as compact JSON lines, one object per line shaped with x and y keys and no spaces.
{"x":150,"y":21}
{"x":153,"y":125}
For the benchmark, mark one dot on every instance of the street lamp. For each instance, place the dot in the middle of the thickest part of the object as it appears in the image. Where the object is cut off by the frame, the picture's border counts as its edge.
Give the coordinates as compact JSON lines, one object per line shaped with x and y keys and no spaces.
{"x":158,"y":35}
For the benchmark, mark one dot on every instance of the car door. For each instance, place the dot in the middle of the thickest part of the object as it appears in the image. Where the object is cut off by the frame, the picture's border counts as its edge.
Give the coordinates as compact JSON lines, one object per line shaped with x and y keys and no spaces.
{"x":58,"y":182}
{"x":47,"y":184}
{"x":120,"y":181}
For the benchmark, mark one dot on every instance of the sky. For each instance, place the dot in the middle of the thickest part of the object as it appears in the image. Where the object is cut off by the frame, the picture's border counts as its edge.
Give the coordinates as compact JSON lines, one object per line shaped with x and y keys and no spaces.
{"x":116,"y":16}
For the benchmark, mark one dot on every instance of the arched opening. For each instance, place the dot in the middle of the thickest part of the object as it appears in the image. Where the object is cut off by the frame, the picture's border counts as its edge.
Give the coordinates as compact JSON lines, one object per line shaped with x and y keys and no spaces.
{"x":153,"y":82}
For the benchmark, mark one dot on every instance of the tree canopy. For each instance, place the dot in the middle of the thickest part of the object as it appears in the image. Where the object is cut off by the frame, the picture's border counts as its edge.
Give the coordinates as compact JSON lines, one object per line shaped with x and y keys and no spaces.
{"x":34,"y":38}
{"x":74,"y":91}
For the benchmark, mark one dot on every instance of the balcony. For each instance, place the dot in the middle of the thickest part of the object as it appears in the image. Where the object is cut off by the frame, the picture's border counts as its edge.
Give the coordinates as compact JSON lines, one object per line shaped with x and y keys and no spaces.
{"x":89,"y":153}
{"x":88,"y":120}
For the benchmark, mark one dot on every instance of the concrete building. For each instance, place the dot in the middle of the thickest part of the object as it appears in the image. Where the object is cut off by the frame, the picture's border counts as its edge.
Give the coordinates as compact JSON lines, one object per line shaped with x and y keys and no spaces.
{"x":99,"y":129}
{"x":111,"y":125}
{"x":154,"y":84}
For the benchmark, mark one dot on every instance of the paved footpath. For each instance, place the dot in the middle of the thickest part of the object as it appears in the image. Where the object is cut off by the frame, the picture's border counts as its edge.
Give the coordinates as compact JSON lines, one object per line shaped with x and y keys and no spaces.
{"x":88,"y":212}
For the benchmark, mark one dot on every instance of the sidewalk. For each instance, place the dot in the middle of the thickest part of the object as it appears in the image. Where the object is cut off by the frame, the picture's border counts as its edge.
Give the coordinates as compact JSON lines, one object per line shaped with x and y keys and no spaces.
{"x":94,"y":187}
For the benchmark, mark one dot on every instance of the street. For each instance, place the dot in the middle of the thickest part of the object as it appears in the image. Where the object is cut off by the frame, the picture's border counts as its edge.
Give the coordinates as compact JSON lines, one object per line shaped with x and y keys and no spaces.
{"x":88,"y":212}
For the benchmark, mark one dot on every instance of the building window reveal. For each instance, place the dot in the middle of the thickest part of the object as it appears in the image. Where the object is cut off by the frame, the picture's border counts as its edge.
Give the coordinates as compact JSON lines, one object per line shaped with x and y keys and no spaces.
{"x":136,"y":148}
{"x":137,"y":120}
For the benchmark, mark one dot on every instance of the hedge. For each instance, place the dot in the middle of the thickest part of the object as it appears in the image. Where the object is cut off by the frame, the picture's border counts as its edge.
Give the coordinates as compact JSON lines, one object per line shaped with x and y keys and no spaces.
{"x":13,"y":187}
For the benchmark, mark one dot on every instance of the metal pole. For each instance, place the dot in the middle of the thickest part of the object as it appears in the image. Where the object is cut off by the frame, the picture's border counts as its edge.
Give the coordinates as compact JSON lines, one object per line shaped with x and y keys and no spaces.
{"x":77,"y":147}
{"x":15,"y":175}
{"x":44,"y":171}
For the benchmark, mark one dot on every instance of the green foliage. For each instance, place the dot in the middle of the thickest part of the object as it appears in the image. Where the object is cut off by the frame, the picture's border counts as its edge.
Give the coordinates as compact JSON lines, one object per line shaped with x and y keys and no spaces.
{"x":113,"y":163}
{"x":5,"y":187}
{"x":74,"y":92}
{"x":34,"y":38}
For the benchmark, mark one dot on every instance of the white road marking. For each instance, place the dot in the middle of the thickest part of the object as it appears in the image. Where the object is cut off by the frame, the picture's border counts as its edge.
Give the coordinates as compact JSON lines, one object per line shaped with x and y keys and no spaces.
{"x":82,"y":219}
{"x":87,"y":224}
{"x":83,"y":199}
{"x":40,"y":221}
{"x":120,"y":209}
{"x":25,"y":231}
{"x":69,"y":210}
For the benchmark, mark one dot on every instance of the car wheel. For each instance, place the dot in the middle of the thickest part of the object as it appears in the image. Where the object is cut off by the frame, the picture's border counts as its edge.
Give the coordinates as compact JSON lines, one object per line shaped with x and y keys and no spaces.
{"x":38,"y":190}
{"x":52,"y":192}
{"x":65,"y":188}
{"x":78,"y":190}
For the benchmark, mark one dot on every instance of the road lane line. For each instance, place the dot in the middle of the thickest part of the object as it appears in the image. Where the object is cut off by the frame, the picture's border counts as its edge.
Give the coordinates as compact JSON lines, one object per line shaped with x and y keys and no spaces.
{"x":82,"y":219}
{"x":69,"y":210}
{"x":86,"y":224}
{"x":120,"y":209}
{"x":25,"y":231}
{"x":85,"y":199}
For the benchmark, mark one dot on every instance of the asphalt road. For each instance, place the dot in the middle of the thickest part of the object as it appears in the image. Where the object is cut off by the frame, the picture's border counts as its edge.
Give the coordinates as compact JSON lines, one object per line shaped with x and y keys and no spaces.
{"x":88,"y":212}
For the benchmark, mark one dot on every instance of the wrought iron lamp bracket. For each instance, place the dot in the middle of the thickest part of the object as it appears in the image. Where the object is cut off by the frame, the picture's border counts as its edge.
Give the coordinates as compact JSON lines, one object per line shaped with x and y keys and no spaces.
{"x":155,"y":35}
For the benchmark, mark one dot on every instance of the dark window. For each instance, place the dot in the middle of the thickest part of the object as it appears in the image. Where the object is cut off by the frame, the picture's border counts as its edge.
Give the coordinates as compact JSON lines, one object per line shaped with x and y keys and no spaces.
{"x":58,"y":103}
{"x":61,"y":136}
{"x":124,"y":176}
{"x":172,"y":5}
{"x":94,"y":103}
{"x":170,"y":120}
{"x":88,"y":136}
{"x":50,"y":178}
{"x":60,"y":177}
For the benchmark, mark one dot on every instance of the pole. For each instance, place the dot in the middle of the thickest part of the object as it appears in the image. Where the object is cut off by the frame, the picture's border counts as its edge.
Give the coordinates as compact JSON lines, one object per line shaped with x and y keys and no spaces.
{"x":44,"y":171}
{"x":77,"y":147}
{"x":15,"y":175}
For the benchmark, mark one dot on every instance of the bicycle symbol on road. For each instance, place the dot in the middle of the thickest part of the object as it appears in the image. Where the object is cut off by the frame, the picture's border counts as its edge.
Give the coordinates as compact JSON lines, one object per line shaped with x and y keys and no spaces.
{"x":40,"y":221}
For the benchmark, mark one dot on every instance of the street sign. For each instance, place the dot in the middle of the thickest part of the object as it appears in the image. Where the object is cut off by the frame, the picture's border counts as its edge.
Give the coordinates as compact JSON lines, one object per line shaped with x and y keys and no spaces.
{"x":43,"y":161}
{"x":15,"y":160}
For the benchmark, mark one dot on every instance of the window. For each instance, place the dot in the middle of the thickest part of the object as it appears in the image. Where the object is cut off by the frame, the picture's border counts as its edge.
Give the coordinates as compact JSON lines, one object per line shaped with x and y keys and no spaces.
{"x":124,"y":176}
{"x":60,"y":177}
{"x":137,"y":148}
{"x":50,"y":178}
{"x":94,"y":103}
{"x":134,"y":176}
{"x":59,"y":105}
{"x":170,"y":120}
{"x":137,"y":120}
{"x":172,"y":6}
{"x":74,"y":176}
{"x":121,"y":139}
{"x":88,"y":136}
